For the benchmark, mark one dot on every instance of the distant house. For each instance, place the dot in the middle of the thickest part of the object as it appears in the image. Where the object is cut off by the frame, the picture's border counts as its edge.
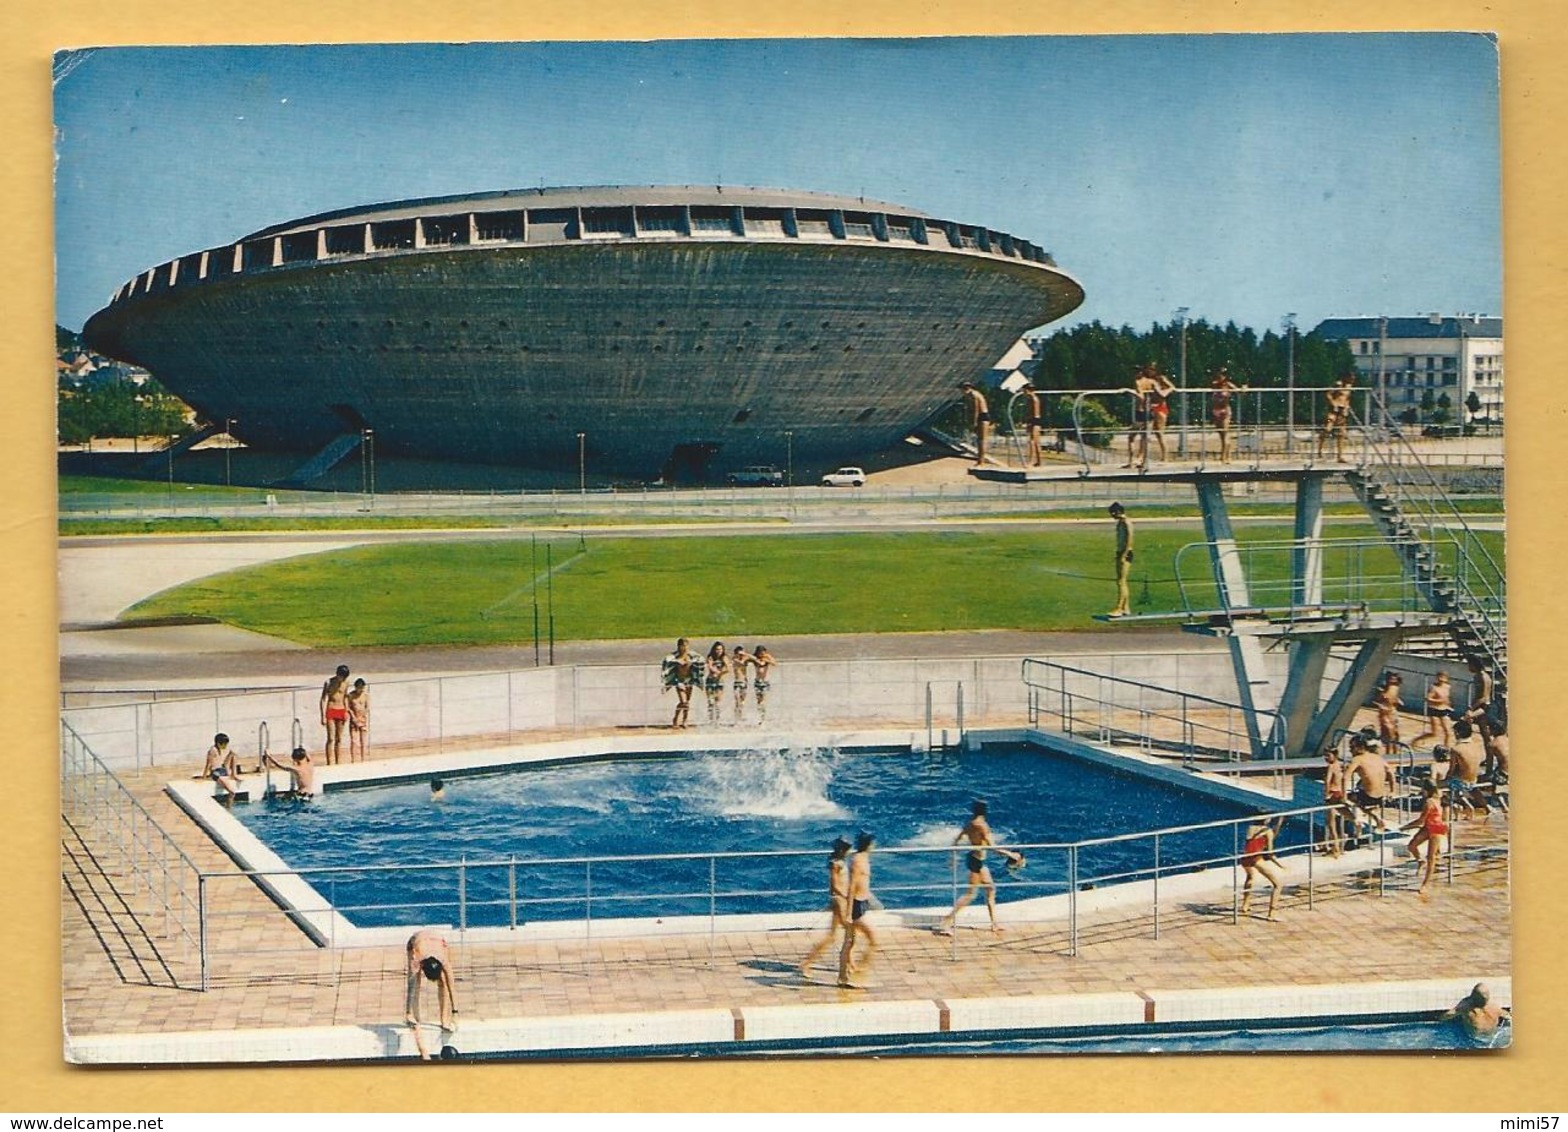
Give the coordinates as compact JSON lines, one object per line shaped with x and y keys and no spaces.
{"x":1407,"y":356}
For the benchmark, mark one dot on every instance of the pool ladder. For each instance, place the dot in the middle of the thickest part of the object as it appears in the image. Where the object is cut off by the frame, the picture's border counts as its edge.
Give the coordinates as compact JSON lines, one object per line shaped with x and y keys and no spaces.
{"x":263,"y":736}
{"x":958,"y":702}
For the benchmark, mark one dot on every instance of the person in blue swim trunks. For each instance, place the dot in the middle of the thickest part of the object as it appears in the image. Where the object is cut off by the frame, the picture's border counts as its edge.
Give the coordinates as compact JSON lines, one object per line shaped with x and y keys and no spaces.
{"x":860,"y":902}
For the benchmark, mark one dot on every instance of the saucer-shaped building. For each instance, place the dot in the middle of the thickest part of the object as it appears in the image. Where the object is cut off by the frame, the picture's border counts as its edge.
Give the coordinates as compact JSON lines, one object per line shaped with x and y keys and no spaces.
{"x":681,"y":330}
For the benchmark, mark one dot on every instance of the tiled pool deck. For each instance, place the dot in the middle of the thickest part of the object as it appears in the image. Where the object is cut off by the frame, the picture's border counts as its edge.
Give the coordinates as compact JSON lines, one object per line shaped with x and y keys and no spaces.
{"x":273,"y":996}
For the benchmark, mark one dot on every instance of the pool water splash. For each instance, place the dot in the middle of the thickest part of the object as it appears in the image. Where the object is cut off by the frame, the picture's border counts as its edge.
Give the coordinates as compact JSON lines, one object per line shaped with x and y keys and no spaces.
{"x":786,"y":785}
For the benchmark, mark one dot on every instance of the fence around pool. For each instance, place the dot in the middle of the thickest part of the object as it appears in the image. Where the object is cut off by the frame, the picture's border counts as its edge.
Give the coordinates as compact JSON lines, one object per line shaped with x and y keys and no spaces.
{"x":216,"y":926}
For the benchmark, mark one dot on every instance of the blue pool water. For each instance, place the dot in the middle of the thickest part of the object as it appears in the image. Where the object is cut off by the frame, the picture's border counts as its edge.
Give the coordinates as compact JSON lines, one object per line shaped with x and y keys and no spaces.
{"x":1342,"y":1037}
{"x":717,"y":802}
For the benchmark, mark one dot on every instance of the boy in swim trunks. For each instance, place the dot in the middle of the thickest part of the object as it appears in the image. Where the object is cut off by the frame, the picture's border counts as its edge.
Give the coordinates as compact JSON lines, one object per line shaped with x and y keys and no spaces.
{"x":1334,"y":798}
{"x":222,"y":766}
{"x":429,"y":961}
{"x":679,"y":671}
{"x":979,"y":417}
{"x":1123,"y":559}
{"x":762,"y":663}
{"x":859,"y":894}
{"x":358,"y":703}
{"x":1337,"y":419}
{"x":334,"y":713}
{"x":838,"y":903}
{"x":740,"y":662}
{"x":302,"y":774}
{"x":1033,"y":423}
{"x":978,"y":833}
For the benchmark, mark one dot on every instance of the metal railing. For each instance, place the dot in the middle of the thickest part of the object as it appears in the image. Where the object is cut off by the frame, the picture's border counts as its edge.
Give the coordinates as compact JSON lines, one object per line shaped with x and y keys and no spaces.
{"x":1149,"y":717}
{"x":1479,"y":583}
{"x":1363,"y":575}
{"x":585,"y":900}
{"x":201,"y":914}
{"x":449,"y":712}
{"x":161,"y":886}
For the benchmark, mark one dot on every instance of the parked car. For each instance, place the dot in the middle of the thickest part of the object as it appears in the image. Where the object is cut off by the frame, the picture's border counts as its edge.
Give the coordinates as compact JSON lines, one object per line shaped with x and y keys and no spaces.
{"x":845,"y":477}
{"x":1441,"y":431}
{"x":757,"y":475}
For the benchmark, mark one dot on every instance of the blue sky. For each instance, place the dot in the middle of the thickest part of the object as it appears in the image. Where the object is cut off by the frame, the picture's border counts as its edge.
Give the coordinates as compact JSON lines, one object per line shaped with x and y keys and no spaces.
{"x":1240,"y":176}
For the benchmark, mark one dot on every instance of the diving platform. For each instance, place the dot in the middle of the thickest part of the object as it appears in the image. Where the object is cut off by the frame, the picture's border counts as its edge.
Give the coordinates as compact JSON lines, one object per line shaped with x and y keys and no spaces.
{"x":1174,"y":472}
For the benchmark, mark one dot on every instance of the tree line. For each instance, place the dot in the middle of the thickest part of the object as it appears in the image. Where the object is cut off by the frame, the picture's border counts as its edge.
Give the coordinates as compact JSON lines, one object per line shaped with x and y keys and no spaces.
{"x":114,"y":406}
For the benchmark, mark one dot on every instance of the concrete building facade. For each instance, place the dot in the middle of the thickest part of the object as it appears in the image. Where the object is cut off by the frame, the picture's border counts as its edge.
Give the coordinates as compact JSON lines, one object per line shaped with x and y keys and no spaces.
{"x":1452,"y":354}
{"x":676,"y":331}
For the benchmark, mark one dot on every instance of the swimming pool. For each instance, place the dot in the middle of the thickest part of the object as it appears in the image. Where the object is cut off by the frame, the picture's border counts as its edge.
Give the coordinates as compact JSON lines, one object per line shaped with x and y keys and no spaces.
{"x":777,"y":809}
{"x":1290,"y":1036}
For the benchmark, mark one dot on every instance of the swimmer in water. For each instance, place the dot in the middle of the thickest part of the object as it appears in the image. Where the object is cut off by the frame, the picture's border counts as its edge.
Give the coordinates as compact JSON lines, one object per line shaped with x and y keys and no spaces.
{"x":437,"y":790}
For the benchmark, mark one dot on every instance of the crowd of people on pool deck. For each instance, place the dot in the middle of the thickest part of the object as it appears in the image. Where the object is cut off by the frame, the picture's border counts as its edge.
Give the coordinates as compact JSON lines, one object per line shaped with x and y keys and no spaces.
{"x":1150,"y":392}
{"x":738,"y":673}
{"x":1460,"y":782}
{"x":345,"y":709}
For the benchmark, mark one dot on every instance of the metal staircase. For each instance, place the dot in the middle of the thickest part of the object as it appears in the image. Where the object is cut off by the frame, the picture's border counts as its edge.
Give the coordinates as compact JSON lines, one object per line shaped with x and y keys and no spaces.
{"x":324,"y":460}
{"x":1446,"y":559}
{"x":184,"y":444}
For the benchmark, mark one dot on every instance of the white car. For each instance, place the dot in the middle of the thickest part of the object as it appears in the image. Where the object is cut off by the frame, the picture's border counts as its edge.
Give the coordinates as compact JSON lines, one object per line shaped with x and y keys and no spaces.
{"x":845,"y":477}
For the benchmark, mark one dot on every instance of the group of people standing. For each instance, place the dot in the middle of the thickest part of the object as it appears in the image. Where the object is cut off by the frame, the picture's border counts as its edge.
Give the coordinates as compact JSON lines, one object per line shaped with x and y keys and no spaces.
{"x":719,"y":672}
{"x":1150,"y":392}
{"x":345,"y":707}
{"x":850,"y":897}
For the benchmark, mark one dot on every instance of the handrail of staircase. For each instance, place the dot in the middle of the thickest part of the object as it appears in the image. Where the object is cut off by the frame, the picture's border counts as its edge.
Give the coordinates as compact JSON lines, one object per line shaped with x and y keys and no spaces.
{"x":1493,"y":580}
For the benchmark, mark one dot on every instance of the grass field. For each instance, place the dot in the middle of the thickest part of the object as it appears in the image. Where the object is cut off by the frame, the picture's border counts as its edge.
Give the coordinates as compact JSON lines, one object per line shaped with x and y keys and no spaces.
{"x":445,"y":593}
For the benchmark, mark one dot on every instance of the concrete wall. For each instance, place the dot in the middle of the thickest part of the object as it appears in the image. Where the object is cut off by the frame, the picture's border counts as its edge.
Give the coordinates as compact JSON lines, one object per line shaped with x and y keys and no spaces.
{"x":454,"y":709}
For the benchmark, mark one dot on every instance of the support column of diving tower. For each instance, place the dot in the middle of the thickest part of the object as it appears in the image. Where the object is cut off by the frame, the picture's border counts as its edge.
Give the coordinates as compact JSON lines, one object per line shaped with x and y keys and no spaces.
{"x":1309,"y":628}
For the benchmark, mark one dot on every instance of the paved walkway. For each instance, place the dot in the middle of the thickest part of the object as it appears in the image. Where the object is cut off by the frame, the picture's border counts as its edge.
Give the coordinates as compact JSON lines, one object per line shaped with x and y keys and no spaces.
{"x":125,"y":974}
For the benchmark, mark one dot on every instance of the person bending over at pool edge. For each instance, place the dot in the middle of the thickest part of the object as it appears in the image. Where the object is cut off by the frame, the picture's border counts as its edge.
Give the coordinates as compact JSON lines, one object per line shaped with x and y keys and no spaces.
{"x":334,"y":713}
{"x":429,"y":960}
{"x":838,"y":904}
{"x":859,"y":904}
{"x":978,"y":833}
{"x":222,"y":765}
{"x":302,"y":774}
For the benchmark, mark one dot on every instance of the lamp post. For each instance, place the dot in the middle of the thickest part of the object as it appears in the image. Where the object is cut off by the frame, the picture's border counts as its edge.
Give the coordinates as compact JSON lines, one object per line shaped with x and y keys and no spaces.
{"x":1181,"y":379}
{"x":789,"y":460}
{"x":170,"y":450}
{"x":228,"y":443}
{"x":582,"y":464}
{"x":1290,"y":382}
{"x":1382,"y":359}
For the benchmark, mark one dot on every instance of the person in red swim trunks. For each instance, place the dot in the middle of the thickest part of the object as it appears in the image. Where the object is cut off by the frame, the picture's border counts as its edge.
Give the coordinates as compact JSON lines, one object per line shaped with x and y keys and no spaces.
{"x":334,"y":713}
{"x":1431,"y":830}
{"x":1257,"y":859}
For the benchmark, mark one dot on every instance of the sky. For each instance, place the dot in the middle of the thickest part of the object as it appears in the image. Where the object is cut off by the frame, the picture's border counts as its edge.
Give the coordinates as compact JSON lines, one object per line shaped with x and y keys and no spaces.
{"x":1243,"y":177}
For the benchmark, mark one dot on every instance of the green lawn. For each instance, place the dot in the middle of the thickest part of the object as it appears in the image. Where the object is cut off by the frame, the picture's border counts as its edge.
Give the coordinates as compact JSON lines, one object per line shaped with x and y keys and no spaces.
{"x":747,"y":586}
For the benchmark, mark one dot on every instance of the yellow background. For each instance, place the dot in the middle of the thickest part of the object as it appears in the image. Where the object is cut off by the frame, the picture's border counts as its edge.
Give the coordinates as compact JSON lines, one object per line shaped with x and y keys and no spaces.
{"x":1528,"y":1078}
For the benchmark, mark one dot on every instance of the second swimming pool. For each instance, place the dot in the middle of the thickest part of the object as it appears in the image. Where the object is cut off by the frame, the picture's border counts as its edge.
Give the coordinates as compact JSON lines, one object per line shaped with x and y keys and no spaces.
{"x":513,"y":827}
